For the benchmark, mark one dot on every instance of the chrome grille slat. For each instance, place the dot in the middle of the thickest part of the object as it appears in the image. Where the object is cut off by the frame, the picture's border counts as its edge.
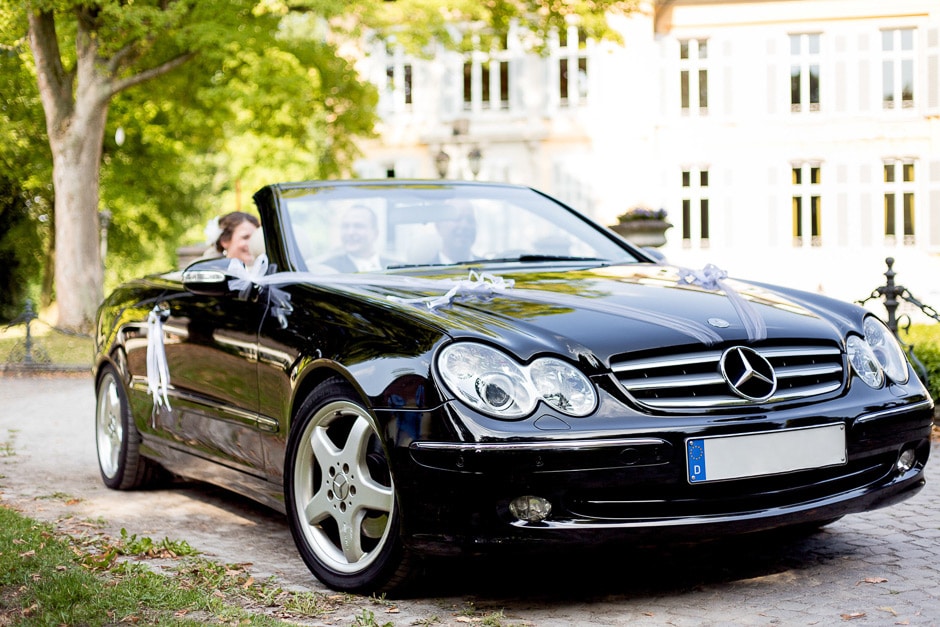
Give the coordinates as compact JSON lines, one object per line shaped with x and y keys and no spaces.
{"x":660,"y":383}
{"x":787,"y":372}
{"x":693,"y":380}
{"x":684,"y":360}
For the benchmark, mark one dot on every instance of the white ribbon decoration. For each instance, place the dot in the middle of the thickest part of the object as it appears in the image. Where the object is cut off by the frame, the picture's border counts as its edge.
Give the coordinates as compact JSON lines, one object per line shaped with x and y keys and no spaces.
{"x":486,"y":285}
{"x":245,"y":278}
{"x":477,"y":284}
{"x":158,"y":373}
{"x":713,"y":278}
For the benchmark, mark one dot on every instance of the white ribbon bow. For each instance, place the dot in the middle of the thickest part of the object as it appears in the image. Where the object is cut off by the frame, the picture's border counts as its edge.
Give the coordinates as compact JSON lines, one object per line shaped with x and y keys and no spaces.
{"x":245,"y":278}
{"x":477,"y":284}
{"x":713,"y":278}
{"x":158,"y":373}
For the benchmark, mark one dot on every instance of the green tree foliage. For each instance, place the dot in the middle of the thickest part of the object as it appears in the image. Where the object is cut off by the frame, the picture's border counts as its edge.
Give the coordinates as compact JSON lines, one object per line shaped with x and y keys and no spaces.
{"x":237,"y":97}
{"x":214,"y":97}
{"x":203,"y":147}
{"x":25,"y":186}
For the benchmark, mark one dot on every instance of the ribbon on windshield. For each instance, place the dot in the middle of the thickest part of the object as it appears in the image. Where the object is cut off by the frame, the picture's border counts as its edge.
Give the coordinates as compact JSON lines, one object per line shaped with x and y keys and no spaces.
{"x":478,"y":284}
{"x":713,"y":278}
{"x":158,"y":373}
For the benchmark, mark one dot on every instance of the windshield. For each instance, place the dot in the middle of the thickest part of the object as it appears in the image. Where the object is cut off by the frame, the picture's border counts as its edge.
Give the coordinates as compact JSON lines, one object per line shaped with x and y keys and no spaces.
{"x":378,"y":227}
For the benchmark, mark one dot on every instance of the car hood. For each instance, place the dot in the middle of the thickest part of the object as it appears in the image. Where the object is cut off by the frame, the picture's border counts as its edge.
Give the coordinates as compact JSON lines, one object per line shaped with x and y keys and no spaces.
{"x":610,"y":310}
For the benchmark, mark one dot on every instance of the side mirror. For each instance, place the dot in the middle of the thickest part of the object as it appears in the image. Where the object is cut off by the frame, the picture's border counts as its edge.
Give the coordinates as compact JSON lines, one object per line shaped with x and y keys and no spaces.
{"x":207,"y":277}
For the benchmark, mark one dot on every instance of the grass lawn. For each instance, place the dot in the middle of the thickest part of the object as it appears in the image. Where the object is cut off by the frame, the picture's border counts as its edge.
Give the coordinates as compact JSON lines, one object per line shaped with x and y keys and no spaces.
{"x":47,"y":346}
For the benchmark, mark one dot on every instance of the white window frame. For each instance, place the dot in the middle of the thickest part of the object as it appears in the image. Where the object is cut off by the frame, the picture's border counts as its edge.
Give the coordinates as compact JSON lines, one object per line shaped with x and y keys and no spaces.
{"x":898,"y":53}
{"x":696,"y":232}
{"x":804,"y":59}
{"x":693,"y":65}
{"x":808,"y":194}
{"x":397,"y":89}
{"x":900,"y":193}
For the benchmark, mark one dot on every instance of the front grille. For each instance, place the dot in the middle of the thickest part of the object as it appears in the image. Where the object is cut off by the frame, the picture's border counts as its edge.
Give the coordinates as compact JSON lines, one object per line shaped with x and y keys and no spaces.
{"x":678,"y":499}
{"x":693,"y":379}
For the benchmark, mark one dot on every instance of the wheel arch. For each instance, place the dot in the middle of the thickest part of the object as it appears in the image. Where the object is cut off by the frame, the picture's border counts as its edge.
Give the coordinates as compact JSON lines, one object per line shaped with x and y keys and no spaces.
{"x":312,"y":378}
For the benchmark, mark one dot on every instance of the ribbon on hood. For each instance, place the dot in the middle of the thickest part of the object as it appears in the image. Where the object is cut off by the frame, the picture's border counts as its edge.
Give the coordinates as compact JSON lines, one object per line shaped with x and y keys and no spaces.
{"x":713,"y":279}
{"x":476,"y":285}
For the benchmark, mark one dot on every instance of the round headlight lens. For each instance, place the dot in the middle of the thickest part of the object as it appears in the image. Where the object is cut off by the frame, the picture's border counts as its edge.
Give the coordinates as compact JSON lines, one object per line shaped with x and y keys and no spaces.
{"x":887,"y":349}
{"x":492,"y":382}
{"x":486,"y":379}
{"x":864,"y":362}
{"x":563,"y":386}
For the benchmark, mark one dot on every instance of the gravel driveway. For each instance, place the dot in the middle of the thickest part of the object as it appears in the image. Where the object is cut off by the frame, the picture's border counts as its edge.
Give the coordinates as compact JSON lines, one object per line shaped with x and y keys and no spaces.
{"x":879,"y":568}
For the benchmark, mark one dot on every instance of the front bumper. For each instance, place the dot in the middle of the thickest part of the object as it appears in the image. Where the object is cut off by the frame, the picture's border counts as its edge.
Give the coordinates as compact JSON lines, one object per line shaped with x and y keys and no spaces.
{"x":635,"y":489}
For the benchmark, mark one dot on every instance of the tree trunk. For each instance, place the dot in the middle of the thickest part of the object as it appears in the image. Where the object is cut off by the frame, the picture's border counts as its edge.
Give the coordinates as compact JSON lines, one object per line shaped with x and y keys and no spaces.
{"x":78,"y":268}
{"x":75,"y":123}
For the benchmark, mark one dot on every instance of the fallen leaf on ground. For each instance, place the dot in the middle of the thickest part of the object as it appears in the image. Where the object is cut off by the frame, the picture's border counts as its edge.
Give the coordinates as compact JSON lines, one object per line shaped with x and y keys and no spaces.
{"x":872,"y":580}
{"x":889,"y":610}
{"x":853,"y":615}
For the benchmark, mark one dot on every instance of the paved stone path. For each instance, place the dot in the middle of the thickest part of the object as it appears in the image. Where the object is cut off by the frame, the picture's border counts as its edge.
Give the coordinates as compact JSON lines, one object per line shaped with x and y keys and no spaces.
{"x":878,"y":568}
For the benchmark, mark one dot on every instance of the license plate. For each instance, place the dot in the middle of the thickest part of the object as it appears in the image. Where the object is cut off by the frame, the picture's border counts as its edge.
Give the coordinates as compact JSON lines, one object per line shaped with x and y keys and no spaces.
{"x":757,"y":454}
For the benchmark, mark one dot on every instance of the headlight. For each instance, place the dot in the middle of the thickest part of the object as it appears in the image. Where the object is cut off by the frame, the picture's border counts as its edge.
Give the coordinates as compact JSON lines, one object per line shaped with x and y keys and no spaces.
{"x":492,"y":382}
{"x":887,"y":349}
{"x":864,"y":362}
{"x":877,"y":355}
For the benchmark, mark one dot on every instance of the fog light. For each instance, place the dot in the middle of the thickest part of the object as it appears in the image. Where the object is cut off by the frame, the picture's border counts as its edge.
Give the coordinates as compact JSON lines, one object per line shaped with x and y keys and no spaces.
{"x":906,"y":460}
{"x":530,"y":508}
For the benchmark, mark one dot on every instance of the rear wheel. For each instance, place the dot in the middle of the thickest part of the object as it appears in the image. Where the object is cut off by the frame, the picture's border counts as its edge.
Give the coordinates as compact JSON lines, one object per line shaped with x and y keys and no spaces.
{"x":340,"y":495}
{"x":118,"y":441}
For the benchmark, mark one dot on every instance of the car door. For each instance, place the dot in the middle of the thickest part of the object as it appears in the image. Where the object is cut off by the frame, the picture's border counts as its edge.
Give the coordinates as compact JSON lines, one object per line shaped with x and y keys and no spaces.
{"x":211,"y":352}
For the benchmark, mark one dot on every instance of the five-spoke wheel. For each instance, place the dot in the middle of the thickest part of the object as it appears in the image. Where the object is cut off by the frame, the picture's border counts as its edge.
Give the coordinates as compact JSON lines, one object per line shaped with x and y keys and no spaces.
{"x":117,"y":438}
{"x":341,"y":495}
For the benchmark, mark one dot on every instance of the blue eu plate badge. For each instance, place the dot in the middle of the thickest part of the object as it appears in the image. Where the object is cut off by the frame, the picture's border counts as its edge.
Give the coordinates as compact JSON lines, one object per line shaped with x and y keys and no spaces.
{"x":696,"y":453}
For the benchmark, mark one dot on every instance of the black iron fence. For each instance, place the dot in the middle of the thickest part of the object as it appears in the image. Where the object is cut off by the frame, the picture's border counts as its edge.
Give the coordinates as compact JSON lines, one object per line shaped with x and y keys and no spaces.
{"x":27,"y":351}
{"x":894,"y":295}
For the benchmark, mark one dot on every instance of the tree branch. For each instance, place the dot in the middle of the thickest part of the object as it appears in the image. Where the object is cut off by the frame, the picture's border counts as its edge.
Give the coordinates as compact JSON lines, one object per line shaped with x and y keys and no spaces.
{"x":115,"y":62}
{"x":146,"y":75}
{"x":55,"y":84}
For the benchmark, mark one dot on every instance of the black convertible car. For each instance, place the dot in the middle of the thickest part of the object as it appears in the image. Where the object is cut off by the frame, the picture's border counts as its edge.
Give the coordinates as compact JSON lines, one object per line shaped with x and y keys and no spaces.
{"x":426,"y":368}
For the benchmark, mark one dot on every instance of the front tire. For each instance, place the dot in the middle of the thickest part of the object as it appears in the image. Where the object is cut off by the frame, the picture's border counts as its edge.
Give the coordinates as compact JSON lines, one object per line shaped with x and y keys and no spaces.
{"x":118,"y":440}
{"x":340,"y":495}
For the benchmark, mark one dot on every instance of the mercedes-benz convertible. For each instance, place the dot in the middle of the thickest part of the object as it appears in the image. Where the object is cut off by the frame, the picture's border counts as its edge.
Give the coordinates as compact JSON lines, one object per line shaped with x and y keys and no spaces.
{"x":413,"y":369}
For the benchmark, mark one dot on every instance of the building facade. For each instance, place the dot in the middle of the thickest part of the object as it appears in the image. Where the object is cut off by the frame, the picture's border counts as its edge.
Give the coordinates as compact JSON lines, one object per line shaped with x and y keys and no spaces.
{"x":793,"y":141}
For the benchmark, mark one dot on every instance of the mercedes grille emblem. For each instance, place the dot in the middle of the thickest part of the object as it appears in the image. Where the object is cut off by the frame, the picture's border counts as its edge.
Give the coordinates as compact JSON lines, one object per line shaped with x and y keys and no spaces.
{"x":748,"y":373}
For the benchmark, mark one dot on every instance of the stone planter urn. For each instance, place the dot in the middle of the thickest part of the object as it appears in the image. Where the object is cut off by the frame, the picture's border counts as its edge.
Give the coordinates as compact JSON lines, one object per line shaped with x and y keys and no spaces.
{"x":643,"y":227}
